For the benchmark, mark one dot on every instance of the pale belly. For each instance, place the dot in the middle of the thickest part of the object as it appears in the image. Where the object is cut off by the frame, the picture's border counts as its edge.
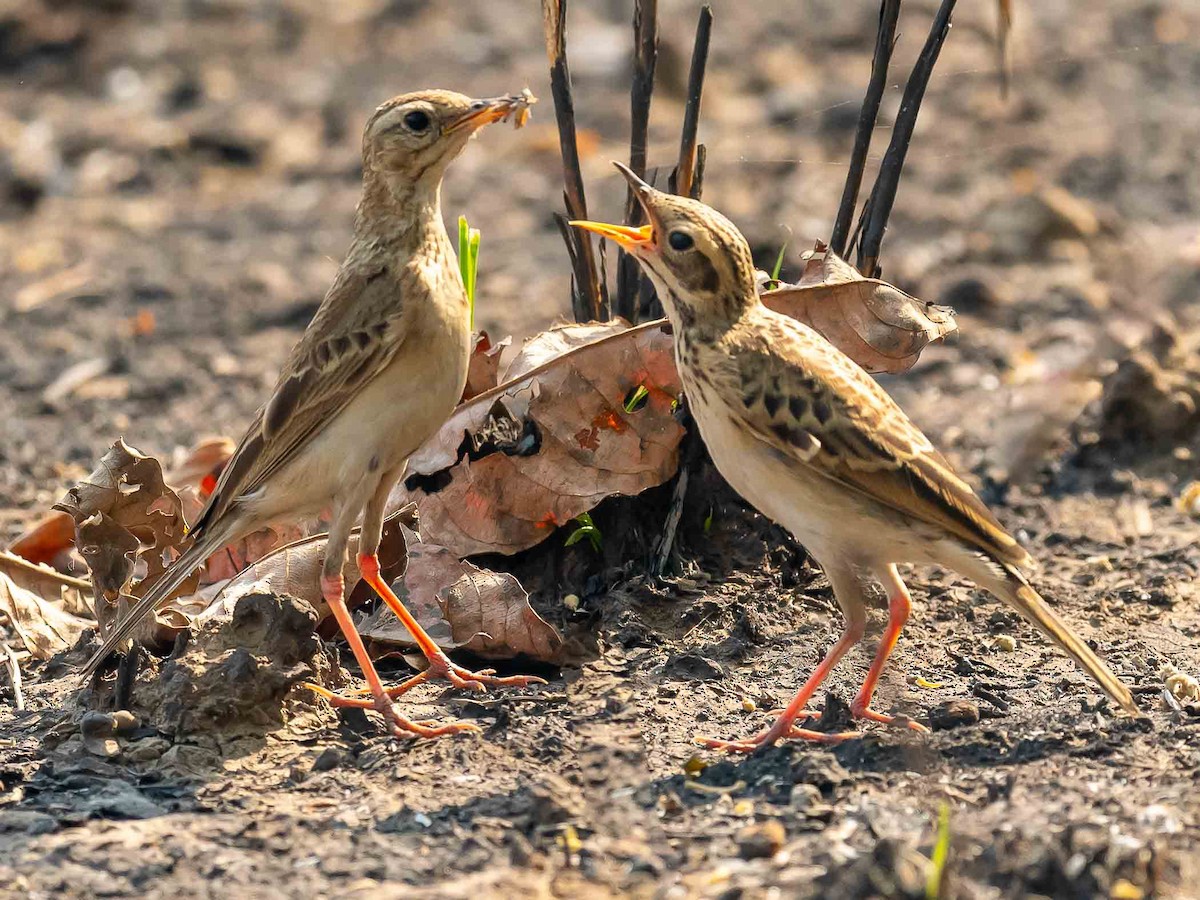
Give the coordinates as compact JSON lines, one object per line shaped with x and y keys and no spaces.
{"x":372,"y":437}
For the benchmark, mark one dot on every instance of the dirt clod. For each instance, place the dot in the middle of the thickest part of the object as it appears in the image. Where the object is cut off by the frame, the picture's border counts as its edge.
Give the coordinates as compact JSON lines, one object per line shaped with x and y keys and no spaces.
{"x":762,"y":840}
{"x":953,"y":714}
{"x":238,"y":668}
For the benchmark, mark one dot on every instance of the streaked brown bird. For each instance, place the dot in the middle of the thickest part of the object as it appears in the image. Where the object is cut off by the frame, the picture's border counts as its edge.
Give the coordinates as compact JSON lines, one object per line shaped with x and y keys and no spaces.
{"x":380,"y":367}
{"x":808,"y":438}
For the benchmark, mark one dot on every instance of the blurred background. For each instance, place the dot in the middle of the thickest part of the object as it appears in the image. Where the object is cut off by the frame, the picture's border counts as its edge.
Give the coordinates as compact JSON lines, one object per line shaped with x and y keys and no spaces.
{"x":178,"y":180}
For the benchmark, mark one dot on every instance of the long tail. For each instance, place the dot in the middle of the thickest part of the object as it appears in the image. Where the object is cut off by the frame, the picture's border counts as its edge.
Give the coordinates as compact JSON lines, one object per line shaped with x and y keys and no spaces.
{"x":1017,"y":593}
{"x":213,"y":539}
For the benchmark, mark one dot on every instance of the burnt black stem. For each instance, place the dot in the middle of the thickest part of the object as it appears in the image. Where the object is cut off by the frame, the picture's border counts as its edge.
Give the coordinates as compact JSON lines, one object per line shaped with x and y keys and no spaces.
{"x":645,"y":38}
{"x":885,"y":40}
{"x":686,"y":171}
{"x":883,"y":194}
{"x":589,"y":299}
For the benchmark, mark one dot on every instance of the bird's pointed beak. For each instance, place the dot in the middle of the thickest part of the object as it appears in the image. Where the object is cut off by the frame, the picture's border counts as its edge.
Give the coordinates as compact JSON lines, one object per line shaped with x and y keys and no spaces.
{"x":494,"y":109}
{"x":627,"y":237}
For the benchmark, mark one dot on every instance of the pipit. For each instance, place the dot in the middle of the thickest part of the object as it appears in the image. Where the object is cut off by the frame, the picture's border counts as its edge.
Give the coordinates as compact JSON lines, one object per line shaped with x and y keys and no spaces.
{"x":812,"y":442}
{"x":380,"y":367}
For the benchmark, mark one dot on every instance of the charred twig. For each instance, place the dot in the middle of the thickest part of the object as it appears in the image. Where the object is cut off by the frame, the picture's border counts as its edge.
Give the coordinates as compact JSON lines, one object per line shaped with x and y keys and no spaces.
{"x":645,"y":38}
{"x":127,"y":671}
{"x":690,"y":453}
{"x":589,"y":296}
{"x":684,"y":177}
{"x":687,"y":180}
{"x":885,"y":40}
{"x":883,"y":195}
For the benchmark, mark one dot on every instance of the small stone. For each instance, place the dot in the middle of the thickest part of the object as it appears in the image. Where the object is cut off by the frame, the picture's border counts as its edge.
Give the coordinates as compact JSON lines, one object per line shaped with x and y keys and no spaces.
{"x":761,"y":841}
{"x":1005,"y":642}
{"x":329,"y":758}
{"x":123,"y":721}
{"x":749,"y":705}
{"x":96,"y":724}
{"x":571,"y":602}
{"x":106,"y":747}
{"x":147,"y":749}
{"x":953,"y":714}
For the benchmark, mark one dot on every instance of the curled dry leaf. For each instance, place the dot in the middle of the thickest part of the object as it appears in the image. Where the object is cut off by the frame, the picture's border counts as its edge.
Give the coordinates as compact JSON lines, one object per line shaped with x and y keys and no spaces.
{"x":483,"y":372}
{"x":516,"y":462}
{"x":459,"y":604}
{"x":463,"y":606}
{"x":124,"y":514}
{"x":46,"y":539}
{"x":876,"y":324}
{"x":62,"y":590}
{"x":193,"y":476}
{"x":41,"y":627}
{"x":295,"y":569}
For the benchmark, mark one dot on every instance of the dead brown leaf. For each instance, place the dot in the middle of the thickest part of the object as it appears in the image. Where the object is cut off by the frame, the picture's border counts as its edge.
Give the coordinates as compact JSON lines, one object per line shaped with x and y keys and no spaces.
{"x":463,"y":606}
{"x":41,"y":627}
{"x":192,"y":477}
{"x":70,"y":593}
{"x":516,"y":462}
{"x":483,"y":372}
{"x":459,"y":604}
{"x":295,"y":569}
{"x":876,"y":324}
{"x":48,"y":537}
{"x":124,"y":515}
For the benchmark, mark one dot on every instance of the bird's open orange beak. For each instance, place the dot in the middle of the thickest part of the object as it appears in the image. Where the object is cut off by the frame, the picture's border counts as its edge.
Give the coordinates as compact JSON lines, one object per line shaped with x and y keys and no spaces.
{"x":495,"y":109}
{"x":627,"y":237}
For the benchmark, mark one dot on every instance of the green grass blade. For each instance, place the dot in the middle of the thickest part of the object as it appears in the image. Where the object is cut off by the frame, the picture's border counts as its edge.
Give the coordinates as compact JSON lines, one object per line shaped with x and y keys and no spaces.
{"x":941,"y":853}
{"x":779,"y":262}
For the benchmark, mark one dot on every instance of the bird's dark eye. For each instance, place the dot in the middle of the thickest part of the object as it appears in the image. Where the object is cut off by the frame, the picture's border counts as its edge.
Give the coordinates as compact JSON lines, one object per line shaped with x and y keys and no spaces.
{"x":680,"y":240}
{"x":417,"y":120}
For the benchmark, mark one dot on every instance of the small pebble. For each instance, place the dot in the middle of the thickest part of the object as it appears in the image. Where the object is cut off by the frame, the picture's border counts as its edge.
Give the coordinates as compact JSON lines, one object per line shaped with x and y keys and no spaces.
{"x":1005,"y":642}
{"x":953,"y":714}
{"x":761,"y":841}
{"x":96,"y":724}
{"x":147,"y":749}
{"x":571,"y":602}
{"x":749,"y":705}
{"x":329,"y":758}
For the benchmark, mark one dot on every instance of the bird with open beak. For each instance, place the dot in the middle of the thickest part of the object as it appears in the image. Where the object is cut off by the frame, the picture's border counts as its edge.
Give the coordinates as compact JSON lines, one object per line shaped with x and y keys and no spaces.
{"x":380,"y":367}
{"x":811,"y":441}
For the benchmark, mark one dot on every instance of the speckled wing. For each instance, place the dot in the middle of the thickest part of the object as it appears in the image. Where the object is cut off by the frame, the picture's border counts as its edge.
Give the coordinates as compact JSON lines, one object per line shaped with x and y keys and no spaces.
{"x":805,"y":398}
{"x":352,"y":338}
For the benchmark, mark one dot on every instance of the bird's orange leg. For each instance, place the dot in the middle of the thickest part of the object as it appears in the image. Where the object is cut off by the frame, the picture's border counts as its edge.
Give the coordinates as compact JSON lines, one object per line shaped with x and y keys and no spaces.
{"x":439,"y":664}
{"x":899,"y":607}
{"x":784,"y":725}
{"x":333,"y":589}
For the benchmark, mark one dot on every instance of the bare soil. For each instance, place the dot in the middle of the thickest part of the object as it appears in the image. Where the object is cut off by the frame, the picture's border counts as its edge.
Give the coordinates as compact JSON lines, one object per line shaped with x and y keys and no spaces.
{"x":177,"y":182}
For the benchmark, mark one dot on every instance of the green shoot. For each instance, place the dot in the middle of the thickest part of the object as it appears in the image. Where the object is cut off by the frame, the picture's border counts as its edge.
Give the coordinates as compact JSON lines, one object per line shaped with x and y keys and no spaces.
{"x":586,"y":529}
{"x":634,"y":402}
{"x":941,"y":853}
{"x":708,"y":520}
{"x":779,"y":262}
{"x":468,"y":260}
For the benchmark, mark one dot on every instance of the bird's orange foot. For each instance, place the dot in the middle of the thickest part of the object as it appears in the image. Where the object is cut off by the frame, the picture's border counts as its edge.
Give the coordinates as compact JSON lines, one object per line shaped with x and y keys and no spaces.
{"x":400,"y":725}
{"x":781,"y":730}
{"x":865,"y":712}
{"x":440,"y":666}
